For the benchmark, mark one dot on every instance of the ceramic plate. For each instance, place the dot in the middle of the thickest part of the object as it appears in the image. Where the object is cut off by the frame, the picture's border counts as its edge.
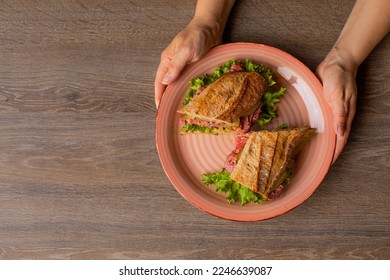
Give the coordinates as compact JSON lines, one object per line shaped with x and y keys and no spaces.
{"x":186,"y":157}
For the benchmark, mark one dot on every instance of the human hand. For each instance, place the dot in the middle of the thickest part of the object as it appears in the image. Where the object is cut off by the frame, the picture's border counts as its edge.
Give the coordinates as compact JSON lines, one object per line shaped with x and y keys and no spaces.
{"x":188,"y":46}
{"x":338,"y":73}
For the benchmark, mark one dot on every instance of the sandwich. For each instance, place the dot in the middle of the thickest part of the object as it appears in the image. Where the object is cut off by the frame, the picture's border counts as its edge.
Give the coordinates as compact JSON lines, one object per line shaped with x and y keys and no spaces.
{"x":234,"y":98}
{"x":224,"y":102}
{"x":261,"y":165}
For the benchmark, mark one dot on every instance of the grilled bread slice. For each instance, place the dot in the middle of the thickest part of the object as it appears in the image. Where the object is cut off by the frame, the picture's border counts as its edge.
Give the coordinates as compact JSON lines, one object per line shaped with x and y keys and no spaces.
{"x":265,"y":158}
{"x":232,"y":96}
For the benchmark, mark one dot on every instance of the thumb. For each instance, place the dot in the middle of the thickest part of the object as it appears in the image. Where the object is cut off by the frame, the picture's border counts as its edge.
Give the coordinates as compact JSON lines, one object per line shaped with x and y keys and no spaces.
{"x":176,"y":65}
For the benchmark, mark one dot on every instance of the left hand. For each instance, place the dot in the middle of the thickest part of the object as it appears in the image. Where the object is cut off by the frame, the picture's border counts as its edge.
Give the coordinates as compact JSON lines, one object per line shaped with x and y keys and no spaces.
{"x":338,"y":73}
{"x":188,"y":46}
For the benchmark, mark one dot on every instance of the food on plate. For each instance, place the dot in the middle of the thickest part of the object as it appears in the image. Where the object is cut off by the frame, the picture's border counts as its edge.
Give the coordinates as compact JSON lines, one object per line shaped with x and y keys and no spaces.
{"x":261,"y":165}
{"x":234,"y":98}
{"x":224,"y":102}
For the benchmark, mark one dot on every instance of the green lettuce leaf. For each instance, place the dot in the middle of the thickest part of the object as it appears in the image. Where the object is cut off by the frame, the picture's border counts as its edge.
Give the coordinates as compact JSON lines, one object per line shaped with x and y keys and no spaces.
{"x":268,"y":110}
{"x":234,"y":190}
{"x":193,"y":128}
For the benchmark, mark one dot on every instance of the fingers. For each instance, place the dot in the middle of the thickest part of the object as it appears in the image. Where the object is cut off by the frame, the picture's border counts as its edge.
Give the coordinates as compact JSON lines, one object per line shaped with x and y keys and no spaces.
{"x":169,"y":70}
{"x":159,"y":87}
{"x":340,"y":143}
{"x":345,"y":123}
{"x":176,"y":65}
{"x":340,"y":111}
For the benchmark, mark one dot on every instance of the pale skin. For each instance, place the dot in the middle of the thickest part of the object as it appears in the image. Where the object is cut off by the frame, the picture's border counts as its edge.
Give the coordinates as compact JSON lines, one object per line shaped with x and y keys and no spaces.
{"x":367,"y":25}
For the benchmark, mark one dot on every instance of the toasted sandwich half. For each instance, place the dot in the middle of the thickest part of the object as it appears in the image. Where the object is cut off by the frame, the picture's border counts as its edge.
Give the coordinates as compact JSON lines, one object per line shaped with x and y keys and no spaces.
{"x":267,"y":159}
{"x":222,"y":106}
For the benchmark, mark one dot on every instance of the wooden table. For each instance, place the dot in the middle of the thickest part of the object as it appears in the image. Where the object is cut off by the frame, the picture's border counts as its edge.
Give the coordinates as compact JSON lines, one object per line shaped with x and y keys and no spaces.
{"x":80,"y":176}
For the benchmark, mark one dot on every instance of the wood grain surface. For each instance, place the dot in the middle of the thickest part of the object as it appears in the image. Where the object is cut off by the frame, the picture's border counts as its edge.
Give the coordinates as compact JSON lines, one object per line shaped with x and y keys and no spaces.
{"x":80,"y":176}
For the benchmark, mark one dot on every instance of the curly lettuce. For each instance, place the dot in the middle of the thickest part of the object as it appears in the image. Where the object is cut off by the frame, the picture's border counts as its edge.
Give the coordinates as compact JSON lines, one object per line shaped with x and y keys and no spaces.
{"x":238,"y":192}
{"x":194,"y":128}
{"x":268,"y":110}
{"x":235,"y":191}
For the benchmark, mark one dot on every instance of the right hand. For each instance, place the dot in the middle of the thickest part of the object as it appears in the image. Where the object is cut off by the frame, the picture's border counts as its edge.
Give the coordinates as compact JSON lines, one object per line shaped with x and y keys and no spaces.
{"x":337,"y":73}
{"x":188,"y":46}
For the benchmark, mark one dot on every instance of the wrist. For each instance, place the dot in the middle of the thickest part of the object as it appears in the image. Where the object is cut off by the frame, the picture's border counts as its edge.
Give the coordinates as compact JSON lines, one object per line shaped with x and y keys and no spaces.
{"x":342,"y":58}
{"x":213,"y":16}
{"x":212,"y":28}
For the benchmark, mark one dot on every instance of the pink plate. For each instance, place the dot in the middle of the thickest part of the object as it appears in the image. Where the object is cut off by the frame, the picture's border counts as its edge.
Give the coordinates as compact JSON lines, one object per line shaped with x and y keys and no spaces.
{"x":186,"y":157}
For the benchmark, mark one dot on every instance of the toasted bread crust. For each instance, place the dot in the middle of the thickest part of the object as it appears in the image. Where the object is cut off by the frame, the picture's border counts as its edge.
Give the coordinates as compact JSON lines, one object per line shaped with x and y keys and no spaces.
{"x":247,"y":166}
{"x":266,"y":156}
{"x":270,"y":140}
{"x":228,"y":98}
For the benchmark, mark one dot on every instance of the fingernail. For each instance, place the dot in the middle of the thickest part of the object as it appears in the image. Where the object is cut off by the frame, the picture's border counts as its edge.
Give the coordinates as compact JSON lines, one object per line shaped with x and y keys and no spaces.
{"x":340,"y":130}
{"x":167,"y":78}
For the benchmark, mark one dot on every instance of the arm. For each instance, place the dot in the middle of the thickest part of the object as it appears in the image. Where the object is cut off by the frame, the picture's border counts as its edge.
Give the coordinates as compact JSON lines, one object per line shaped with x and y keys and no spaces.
{"x":367,"y":25}
{"x":202,"y":33}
